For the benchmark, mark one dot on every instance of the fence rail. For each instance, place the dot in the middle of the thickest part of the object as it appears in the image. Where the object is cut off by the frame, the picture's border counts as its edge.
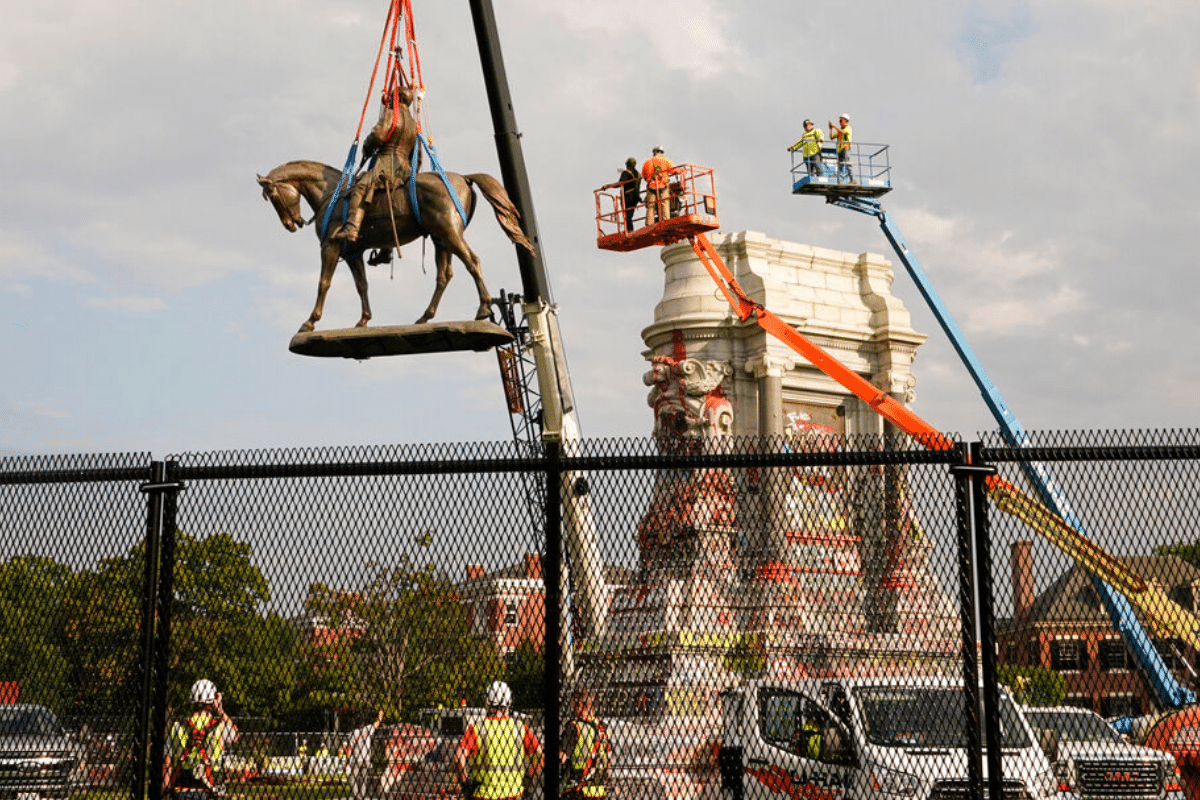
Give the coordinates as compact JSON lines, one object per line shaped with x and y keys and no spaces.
{"x":320,"y":587}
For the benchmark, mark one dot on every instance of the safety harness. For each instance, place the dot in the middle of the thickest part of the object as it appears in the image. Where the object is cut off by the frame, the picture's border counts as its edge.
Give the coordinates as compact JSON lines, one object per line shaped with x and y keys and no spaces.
{"x":197,"y":743}
{"x":590,"y":776}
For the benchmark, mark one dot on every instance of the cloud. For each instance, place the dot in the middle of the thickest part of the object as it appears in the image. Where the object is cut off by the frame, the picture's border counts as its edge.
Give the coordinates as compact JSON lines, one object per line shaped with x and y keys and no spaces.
{"x":132,"y":303}
{"x":158,"y":256}
{"x":24,"y":257}
{"x":997,"y":284}
{"x":989,"y":35}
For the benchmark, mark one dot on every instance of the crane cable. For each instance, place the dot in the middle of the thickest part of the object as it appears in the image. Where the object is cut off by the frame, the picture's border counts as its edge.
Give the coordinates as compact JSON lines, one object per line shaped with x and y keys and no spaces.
{"x":348,"y":170}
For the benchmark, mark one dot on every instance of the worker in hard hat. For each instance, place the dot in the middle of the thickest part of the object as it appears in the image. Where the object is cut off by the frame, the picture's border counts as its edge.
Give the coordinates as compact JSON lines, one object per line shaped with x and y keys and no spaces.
{"x":196,"y":746}
{"x":809,"y":146}
{"x":631,"y":191}
{"x":841,"y":134}
{"x":498,"y":753}
{"x":585,"y":752}
{"x":657,"y":172}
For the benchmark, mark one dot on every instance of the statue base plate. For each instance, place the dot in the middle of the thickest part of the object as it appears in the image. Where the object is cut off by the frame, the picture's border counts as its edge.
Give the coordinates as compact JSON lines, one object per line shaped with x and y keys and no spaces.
{"x":400,"y":340}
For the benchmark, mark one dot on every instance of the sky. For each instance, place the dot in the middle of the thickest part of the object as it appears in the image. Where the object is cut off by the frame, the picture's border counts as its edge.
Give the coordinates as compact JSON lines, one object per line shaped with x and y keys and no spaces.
{"x":1042,"y":156}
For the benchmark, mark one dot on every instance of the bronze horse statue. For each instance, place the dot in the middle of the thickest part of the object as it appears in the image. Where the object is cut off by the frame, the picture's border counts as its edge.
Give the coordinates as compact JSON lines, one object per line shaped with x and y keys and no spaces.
{"x":316,"y":182}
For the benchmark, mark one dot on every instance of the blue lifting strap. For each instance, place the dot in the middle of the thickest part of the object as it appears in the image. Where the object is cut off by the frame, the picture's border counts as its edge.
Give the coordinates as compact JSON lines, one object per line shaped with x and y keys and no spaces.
{"x":437,"y":167}
{"x":347,"y":172}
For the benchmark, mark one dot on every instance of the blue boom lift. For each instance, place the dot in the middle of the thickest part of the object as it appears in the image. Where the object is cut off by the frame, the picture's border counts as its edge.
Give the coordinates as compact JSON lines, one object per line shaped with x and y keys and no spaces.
{"x":872,"y":171}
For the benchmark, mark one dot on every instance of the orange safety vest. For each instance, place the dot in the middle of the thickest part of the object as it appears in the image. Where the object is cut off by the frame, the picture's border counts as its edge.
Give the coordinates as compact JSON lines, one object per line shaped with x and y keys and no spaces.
{"x":656,"y":171}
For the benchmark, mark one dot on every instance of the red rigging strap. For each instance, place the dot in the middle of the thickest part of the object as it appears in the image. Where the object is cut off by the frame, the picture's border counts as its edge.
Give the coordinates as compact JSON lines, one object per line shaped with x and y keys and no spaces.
{"x":393,"y":15}
{"x":884,"y":404}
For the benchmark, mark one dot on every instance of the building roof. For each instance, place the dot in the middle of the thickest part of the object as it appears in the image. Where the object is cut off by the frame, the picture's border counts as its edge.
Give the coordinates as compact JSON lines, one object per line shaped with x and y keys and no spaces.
{"x":1071,"y":598}
{"x":614,"y":574}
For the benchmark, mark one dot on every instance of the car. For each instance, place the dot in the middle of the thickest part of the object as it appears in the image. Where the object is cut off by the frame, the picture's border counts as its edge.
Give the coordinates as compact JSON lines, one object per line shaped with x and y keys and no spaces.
{"x":1094,"y":761}
{"x":37,"y":760}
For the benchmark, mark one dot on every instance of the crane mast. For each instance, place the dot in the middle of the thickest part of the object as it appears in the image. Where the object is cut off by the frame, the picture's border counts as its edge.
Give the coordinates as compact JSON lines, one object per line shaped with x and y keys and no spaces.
{"x":581,"y":580}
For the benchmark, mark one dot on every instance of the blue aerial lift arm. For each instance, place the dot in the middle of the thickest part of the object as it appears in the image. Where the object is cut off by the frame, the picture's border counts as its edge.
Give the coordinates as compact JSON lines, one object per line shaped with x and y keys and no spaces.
{"x":1170,"y":692}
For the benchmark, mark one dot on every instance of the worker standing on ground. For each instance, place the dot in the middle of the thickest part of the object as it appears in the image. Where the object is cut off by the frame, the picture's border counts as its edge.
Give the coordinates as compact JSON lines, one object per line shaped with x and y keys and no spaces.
{"x":196,"y":746}
{"x":841,"y":134}
{"x":657,"y":172}
{"x":358,"y":757}
{"x":810,"y":147}
{"x":497,"y":754}
{"x":392,"y":142}
{"x":631,"y":190}
{"x":585,"y":754}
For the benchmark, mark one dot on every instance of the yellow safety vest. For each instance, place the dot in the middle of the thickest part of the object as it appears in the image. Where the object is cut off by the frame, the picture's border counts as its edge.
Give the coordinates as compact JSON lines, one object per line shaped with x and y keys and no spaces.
{"x":844,"y":139}
{"x":499,"y":762}
{"x":810,"y":142}
{"x":589,"y":761}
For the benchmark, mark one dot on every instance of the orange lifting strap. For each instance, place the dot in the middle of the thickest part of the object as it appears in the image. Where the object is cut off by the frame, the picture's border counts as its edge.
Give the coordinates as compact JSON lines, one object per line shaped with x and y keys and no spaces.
{"x":400,"y":11}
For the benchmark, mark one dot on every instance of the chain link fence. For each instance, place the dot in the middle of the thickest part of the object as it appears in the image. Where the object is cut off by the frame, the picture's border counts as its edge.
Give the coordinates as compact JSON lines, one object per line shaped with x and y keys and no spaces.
{"x":810,"y":617}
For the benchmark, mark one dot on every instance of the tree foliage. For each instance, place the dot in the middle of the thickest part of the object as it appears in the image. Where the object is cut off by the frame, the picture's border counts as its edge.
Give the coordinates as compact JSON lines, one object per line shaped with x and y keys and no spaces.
{"x":1033,"y":686}
{"x":33,"y":607}
{"x":400,"y":642}
{"x":400,"y":639}
{"x":1188,"y":552}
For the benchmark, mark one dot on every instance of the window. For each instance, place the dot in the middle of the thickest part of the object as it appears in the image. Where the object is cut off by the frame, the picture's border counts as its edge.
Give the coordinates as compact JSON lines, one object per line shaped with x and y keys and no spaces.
{"x":1169,"y":650}
{"x":1114,"y":656}
{"x":1033,"y":653}
{"x":1120,"y":705}
{"x":793,"y":722}
{"x":1068,"y":655}
{"x":510,"y":612}
{"x":1079,"y":701}
{"x":1010,"y":653}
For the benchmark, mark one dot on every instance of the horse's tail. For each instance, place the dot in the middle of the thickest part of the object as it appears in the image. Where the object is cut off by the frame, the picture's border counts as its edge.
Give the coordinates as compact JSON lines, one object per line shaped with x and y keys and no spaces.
{"x":506,"y":213}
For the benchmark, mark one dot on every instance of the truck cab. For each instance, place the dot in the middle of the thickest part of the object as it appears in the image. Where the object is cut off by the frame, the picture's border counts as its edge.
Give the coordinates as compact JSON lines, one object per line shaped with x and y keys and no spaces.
{"x":864,"y":738}
{"x":1095,"y":762}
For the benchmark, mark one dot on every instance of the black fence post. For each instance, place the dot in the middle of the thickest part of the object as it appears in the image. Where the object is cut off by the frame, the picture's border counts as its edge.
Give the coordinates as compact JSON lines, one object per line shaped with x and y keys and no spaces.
{"x":163,"y":491}
{"x":552,"y":683}
{"x":141,"y":725}
{"x":987,"y":622}
{"x":963,"y":474}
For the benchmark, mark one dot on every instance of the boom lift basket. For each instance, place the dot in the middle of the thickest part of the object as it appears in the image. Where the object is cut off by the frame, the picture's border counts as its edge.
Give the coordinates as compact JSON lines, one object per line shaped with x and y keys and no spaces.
{"x":870,"y":173}
{"x":693,"y":209}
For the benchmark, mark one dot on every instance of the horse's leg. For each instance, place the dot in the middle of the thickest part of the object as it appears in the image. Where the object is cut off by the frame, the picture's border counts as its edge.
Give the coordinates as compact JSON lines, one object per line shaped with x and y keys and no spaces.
{"x":445,"y":271}
{"x":460,"y":248}
{"x":360,"y":282}
{"x":330,"y":253}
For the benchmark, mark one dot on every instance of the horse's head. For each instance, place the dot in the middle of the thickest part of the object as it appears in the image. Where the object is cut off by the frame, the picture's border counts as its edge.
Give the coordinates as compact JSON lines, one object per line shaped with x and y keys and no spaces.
{"x":286,"y":199}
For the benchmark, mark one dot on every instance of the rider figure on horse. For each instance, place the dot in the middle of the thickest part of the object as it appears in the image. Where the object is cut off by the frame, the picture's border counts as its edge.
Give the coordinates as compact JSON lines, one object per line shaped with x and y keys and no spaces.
{"x":391,"y":141}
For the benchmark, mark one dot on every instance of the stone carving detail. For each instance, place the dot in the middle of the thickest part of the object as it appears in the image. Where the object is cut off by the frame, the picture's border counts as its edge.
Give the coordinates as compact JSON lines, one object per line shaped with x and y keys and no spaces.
{"x":690,"y":406}
{"x":691,"y":414}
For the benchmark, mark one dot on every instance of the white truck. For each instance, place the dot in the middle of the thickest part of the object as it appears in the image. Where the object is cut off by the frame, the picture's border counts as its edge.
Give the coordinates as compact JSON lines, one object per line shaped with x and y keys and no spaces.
{"x":859,"y":738}
{"x":1095,"y":762}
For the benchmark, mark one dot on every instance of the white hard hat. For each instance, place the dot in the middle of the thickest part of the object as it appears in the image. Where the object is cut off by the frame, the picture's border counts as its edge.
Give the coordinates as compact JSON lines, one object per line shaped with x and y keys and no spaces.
{"x":204,"y":691}
{"x":845,"y":117}
{"x":498,"y":695}
{"x":657,"y":149}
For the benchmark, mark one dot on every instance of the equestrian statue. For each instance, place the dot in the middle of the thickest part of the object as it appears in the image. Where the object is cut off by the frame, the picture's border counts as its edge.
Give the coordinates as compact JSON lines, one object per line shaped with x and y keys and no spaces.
{"x":377,"y":213}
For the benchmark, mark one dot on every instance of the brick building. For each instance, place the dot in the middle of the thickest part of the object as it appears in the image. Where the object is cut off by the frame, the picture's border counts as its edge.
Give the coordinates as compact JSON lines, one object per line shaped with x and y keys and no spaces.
{"x":1065,"y":628}
{"x":508,"y":604}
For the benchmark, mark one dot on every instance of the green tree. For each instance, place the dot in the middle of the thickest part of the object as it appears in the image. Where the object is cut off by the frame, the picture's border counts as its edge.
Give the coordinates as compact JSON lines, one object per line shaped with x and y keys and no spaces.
{"x":1188,"y":552}
{"x":1033,"y":686}
{"x":402,"y":642}
{"x":218,"y":629}
{"x":33,"y":654}
{"x":525,"y":672}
